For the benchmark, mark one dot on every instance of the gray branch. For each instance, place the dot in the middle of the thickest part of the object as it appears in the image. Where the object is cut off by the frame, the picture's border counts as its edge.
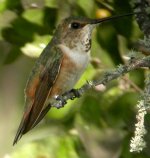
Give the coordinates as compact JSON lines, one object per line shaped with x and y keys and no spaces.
{"x":142,"y":8}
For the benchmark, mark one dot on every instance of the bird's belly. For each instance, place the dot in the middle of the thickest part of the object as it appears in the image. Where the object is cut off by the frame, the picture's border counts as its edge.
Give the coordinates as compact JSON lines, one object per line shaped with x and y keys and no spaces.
{"x":70,"y":72}
{"x":65,"y":82}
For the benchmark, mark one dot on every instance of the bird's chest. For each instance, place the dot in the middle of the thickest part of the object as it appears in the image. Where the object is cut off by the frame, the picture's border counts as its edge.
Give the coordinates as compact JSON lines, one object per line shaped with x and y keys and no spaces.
{"x":72,"y":67}
{"x":74,"y":64}
{"x":75,"y":59}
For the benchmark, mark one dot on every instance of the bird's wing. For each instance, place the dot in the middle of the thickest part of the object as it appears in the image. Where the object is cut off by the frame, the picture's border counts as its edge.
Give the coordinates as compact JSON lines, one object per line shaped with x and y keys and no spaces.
{"x":45,"y":79}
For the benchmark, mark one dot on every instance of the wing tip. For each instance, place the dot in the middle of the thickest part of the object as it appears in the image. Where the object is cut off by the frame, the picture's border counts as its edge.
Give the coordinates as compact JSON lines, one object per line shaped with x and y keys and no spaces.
{"x":18,"y":136}
{"x":20,"y":132}
{"x":25,"y":126}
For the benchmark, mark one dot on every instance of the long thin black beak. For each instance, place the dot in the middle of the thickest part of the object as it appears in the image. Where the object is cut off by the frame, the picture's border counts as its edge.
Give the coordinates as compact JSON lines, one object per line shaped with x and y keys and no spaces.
{"x":97,"y":21}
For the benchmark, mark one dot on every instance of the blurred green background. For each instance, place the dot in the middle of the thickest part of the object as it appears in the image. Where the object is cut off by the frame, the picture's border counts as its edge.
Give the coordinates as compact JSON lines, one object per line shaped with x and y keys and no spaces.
{"x":98,"y":125}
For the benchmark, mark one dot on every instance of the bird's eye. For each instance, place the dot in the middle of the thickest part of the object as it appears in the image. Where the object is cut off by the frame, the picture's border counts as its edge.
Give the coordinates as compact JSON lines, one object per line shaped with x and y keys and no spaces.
{"x":75,"y":25}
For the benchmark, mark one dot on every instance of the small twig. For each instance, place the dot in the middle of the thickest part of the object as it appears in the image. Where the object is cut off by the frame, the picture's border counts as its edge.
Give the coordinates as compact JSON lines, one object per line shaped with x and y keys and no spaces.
{"x":133,"y":84}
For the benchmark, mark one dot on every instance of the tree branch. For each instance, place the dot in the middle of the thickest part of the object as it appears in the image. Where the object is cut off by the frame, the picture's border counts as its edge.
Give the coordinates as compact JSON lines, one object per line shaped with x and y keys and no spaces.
{"x":142,"y":8}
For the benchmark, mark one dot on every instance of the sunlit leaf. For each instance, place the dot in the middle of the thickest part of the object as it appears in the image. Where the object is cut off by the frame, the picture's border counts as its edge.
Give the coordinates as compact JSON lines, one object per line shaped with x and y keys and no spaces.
{"x":2,"y":5}
{"x":35,"y":48}
{"x":28,"y":4}
{"x":6,"y":18}
{"x":51,"y":3}
{"x":20,"y":33}
{"x":87,"y":76}
{"x":60,"y":114}
{"x":34,"y":16}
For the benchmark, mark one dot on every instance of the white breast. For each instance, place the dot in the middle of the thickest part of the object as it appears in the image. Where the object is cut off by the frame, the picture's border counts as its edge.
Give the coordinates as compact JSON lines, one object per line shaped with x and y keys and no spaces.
{"x":80,"y":59}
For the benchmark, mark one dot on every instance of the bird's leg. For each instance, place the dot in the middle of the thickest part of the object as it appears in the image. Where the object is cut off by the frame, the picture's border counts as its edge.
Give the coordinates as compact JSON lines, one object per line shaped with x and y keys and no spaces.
{"x":75,"y":93}
{"x":62,"y":100}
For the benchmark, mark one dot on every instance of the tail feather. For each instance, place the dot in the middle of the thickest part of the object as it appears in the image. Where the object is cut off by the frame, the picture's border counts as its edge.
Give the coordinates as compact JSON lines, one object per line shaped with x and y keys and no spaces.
{"x":22,"y":127}
{"x":20,"y":131}
{"x":26,"y":123}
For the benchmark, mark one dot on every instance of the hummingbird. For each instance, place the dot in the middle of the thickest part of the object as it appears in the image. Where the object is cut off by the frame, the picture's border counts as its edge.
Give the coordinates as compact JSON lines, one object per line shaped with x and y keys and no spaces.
{"x":58,"y":68}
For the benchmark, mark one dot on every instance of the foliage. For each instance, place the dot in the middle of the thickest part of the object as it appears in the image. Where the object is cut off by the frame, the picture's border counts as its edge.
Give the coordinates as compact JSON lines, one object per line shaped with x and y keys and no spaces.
{"x":99,"y":124}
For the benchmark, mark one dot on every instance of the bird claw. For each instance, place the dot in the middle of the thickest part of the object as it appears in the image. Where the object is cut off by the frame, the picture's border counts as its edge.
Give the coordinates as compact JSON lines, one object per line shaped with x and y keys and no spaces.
{"x":61,"y":103}
{"x":76,"y":93}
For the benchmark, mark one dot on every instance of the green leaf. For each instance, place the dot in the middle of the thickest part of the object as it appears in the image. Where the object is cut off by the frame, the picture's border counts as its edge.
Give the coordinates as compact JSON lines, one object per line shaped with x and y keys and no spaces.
{"x":28,"y":4}
{"x":20,"y":33}
{"x":66,"y":148}
{"x":61,"y":114}
{"x":2,"y":5}
{"x":51,"y":3}
{"x":35,"y":48}
{"x":87,"y":76}
{"x":6,"y":18}
{"x":15,"y":5}
{"x":87,"y":6}
{"x":34,"y":16}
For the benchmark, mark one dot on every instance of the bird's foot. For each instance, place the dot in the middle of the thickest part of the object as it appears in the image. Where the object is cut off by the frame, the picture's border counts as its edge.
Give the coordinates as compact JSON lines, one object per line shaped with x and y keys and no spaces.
{"x":76,"y":93}
{"x":61,"y":102}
